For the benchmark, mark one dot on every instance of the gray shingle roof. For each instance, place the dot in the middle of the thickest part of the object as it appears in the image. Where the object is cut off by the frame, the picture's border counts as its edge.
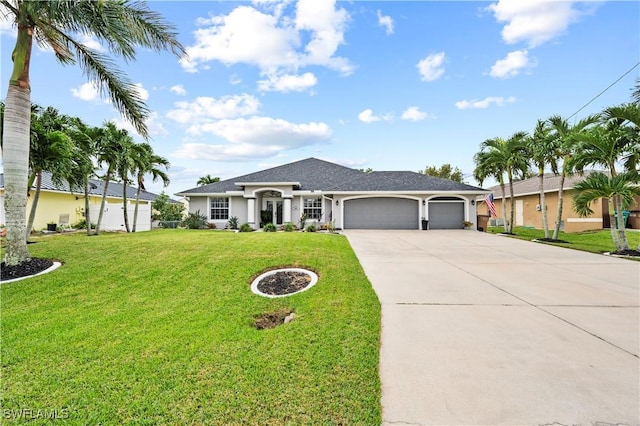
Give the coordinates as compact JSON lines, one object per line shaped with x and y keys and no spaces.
{"x":311,"y":173}
{"x":401,"y":181}
{"x":315,"y":174}
{"x":530,"y":186}
{"x":96,"y":187}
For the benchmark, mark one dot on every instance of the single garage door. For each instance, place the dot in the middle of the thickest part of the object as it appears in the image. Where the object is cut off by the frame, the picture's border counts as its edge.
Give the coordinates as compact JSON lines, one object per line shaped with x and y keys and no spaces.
{"x":446,"y":214}
{"x":381,"y":213}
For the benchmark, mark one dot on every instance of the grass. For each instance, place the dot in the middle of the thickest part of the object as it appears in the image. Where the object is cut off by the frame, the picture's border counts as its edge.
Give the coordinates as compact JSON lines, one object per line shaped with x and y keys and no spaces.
{"x":591,"y":241}
{"x":156,"y":328}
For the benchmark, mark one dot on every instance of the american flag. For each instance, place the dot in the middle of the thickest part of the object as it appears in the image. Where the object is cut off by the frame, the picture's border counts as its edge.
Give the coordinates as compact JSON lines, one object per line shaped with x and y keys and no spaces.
{"x":492,"y":207}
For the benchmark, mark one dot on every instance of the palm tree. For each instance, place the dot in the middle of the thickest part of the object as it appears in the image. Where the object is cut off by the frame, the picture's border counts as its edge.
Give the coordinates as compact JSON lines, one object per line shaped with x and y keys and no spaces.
{"x":487,"y":165}
{"x":146,"y":162}
{"x":121,"y":26}
{"x":206,"y":180}
{"x":124,"y":165}
{"x":83,"y":169}
{"x":542,"y":148}
{"x":51,"y":150}
{"x":505,"y":156}
{"x":564,"y":133}
{"x":622,"y":187}
{"x":110,"y":146}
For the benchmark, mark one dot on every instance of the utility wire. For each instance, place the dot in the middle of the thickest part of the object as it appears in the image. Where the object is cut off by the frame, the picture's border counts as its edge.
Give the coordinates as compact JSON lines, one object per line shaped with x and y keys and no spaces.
{"x":608,"y":87}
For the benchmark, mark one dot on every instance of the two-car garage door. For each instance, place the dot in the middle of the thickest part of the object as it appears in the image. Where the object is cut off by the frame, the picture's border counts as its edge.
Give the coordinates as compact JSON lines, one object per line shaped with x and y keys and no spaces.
{"x":381,"y":213}
{"x":401,"y":213}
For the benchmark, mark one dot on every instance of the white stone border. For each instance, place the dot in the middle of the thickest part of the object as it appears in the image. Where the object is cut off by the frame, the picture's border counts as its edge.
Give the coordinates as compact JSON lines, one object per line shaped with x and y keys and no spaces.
{"x":53,"y":267}
{"x":254,"y":284}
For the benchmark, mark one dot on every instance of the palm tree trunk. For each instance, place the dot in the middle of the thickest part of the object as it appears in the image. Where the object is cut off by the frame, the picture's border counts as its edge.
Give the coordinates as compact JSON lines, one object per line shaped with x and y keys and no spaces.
{"x":87,"y":215}
{"x":512,"y":203}
{"x":102,"y":203}
{"x":543,"y":205}
{"x":556,"y":231}
{"x":34,"y":204}
{"x":124,"y":205}
{"x":612,"y":227}
{"x":504,"y":208}
{"x":623,"y":243}
{"x":135,"y":210}
{"x":15,"y":156}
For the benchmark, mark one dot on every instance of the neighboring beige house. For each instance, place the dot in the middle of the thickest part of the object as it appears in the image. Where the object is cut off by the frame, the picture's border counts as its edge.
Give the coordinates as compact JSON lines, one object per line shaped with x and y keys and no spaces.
{"x":60,"y":205}
{"x":528,"y":211}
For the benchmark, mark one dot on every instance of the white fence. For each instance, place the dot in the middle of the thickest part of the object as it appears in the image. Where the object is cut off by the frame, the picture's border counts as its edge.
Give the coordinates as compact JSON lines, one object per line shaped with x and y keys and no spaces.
{"x":113,"y":217}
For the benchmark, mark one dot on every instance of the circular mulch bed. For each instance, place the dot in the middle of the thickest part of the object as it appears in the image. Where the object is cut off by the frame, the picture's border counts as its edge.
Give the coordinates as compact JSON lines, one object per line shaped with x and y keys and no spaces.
{"x":25,"y":269}
{"x":283,"y":282}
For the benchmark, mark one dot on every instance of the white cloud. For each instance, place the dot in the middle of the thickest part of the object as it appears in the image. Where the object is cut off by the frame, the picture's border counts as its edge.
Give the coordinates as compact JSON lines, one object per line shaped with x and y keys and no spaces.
{"x":91,"y":43}
{"x":288,"y":83}
{"x":204,"y":109}
{"x":511,"y":65}
{"x":142,"y":92}
{"x":234,"y":79}
{"x":534,"y":21}
{"x":154,"y":126}
{"x":6,"y":26}
{"x":386,"y":22}
{"x":178,"y":89}
{"x":87,"y":91}
{"x":367,"y":116}
{"x":276,"y":44}
{"x":431,"y":68}
{"x":484,"y":103}
{"x":251,"y":138}
{"x":413,"y":113}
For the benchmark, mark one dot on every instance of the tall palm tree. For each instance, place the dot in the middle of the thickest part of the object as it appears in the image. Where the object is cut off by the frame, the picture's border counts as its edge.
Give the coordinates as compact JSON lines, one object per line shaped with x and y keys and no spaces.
{"x":125,"y":165}
{"x":146,"y":162}
{"x":51,"y":150}
{"x":83,"y":169}
{"x":121,"y":26}
{"x":506,"y":156}
{"x":206,"y":180}
{"x":488,"y":165}
{"x":622,"y":187}
{"x":542,"y":148}
{"x":564,"y":134}
{"x":110,"y":147}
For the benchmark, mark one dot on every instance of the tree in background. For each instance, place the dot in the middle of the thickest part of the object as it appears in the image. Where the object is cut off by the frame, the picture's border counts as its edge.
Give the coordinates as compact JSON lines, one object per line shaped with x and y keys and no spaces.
{"x":146,"y":162}
{"x":166,"y":211}
{"x":121,"y":26}
{"x":541,"y":147}
{"x":444,"y":172}
{"x":367,"y":170}
{"x":206,"y":180}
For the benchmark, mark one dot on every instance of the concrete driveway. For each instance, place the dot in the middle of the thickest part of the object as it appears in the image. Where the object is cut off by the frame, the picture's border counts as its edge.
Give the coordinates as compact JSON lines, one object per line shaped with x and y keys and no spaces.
{"x":482,"y":329}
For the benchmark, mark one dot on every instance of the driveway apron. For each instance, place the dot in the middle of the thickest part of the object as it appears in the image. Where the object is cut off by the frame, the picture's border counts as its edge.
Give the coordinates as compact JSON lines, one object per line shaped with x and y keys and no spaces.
{"x":481,"y":329}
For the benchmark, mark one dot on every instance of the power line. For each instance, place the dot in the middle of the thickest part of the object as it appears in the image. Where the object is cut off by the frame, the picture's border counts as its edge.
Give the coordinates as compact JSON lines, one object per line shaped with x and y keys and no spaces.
{"x":608,"y":87}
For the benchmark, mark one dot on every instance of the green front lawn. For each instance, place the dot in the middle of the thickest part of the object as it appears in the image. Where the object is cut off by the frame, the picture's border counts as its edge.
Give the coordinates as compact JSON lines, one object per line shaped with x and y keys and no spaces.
{"x":591,"y":241}
{"x":156,"y":328}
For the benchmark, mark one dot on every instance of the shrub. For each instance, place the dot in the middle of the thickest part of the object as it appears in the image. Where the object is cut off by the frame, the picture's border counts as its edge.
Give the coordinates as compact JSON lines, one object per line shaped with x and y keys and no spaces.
{"x":168,"y":224}
{"x":331,"y":226}
{"x":269,"y":227}
{"x":82,"y":224}
{"x":232,"y":223}
{"x":211,"y":225}
{"x":163,"y":210}
{"x":195,"y":221}
{"x":289,"y":227}
{"x":311,"y":228}
{"x":245,"y":227}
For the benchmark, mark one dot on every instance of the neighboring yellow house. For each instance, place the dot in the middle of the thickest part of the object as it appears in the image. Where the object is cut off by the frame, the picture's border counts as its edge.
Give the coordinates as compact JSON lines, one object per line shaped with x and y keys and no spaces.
{"x":528,"y":211}
{"x":65,"y":207}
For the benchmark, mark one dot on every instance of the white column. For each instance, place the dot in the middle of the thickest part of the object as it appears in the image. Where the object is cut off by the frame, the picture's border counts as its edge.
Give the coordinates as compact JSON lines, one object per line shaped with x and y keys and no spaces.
{"x":251,"y":210}
{"x":287,"y":210}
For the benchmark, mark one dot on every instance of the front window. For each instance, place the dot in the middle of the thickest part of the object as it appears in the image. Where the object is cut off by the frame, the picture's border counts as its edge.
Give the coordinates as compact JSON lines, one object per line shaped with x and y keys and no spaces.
{"x":219,"y":208}
{"x":313,"y":208}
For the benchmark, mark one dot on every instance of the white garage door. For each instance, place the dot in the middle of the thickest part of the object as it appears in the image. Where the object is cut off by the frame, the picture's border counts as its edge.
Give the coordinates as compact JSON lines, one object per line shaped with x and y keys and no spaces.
{"x":446,"y":214}
{"x":381,"y":213}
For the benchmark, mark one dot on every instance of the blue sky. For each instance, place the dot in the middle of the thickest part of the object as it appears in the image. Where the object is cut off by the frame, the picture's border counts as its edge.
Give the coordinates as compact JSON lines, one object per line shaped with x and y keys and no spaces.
{"x":388,"y":85}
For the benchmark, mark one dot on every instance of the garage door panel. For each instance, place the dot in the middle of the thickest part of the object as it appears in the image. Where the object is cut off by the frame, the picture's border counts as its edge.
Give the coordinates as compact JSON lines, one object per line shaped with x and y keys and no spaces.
{"x":446,"y":215}
{"x":381,"y":213}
